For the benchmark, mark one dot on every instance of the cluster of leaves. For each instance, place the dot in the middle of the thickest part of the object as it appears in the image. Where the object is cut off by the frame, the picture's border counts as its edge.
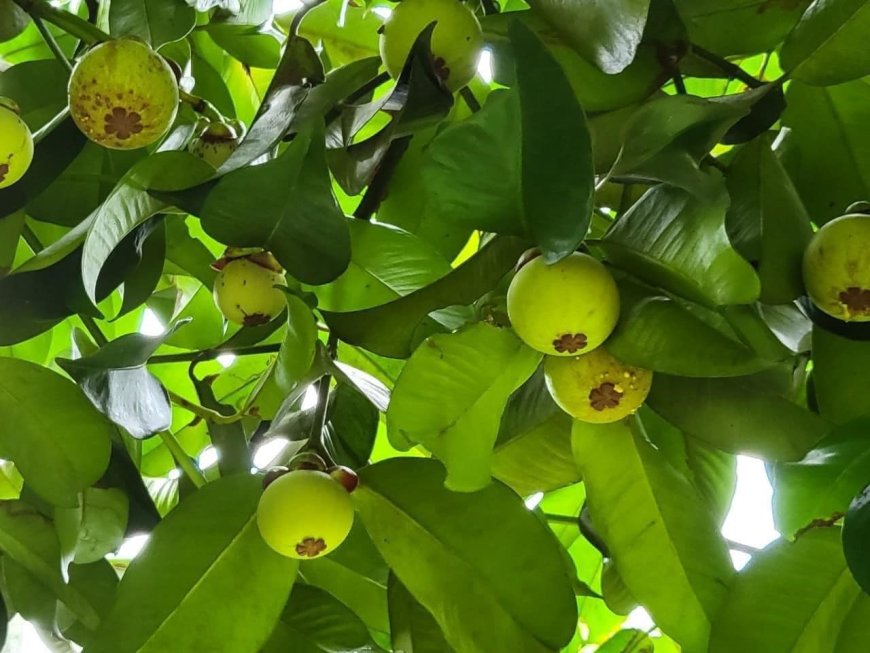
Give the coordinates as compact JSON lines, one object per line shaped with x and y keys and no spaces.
{"x":691,"y":144}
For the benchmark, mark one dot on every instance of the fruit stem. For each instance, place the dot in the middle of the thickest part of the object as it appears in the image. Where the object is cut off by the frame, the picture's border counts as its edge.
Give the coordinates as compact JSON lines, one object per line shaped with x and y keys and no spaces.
{"x":201,"y":106}
{"x":731,"y":69}
{"x":377,"y":188}
{"x":316,"y":442}
{"x":468,"y":96}
{"x":744,"y":548}
{"x":211,"y":354}
{"x":68,"y":22}
{"x":51,"y":42}
{"x":184,"y":461}
{"x":202,"y":412}
{"x":562,"y":519}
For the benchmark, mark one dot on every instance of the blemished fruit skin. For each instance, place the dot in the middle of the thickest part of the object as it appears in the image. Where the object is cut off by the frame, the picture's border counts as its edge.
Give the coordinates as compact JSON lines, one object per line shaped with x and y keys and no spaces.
{"x":304,"y":514}
{"x":16,"y":145}
{"x":245,"y":292}
{"x":123,"y":95}
{"x":215,"y":143}
{"x":836,"y":268}
{"x":596,"y":387}
{"x":564,"y":309}
{"x":456,"y":40}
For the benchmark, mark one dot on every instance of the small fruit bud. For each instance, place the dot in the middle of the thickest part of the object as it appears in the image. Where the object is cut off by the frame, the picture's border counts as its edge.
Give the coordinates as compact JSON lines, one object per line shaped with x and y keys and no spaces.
{"x":344,"y":475}
{"x":272,"y":474}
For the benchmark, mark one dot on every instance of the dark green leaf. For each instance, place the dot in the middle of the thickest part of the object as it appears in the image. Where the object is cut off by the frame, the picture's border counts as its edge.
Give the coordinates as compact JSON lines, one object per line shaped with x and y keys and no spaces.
{"x":297,"y":350}
{"x":56,"y":461}
{"x":412,"y":627}
{"x":174,"y":596}
{"x":767,"y":105}
{"x":154,"y":21}
{"x":496,"y":560}
{"x":839,"y":375}
{"x":557,"y":176}
{"x":856,"y":532}
{"x":451,"y":394}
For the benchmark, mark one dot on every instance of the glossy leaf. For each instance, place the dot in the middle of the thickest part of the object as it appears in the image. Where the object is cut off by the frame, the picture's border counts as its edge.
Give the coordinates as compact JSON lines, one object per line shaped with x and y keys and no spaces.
{"x":450,"y":395}
{"x":58,"y":462}
{"x":412,"y":627}
{"x":173,"y":596}
{"x":297,"y":350}
{"x":156,"y":22}
{"x":856,"y":530}
{"x":678,"y":242}
{"x":493,"y":557}
{"x":661,"y":536}
{"x":556,"y":150}
{"x":826,"y":47}
{"x":839,"y":367}
{"x":793,"y":596}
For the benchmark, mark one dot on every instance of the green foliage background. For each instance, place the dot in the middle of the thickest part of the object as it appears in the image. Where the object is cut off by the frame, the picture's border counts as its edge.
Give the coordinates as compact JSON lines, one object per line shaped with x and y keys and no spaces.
{"x":693,"y":145}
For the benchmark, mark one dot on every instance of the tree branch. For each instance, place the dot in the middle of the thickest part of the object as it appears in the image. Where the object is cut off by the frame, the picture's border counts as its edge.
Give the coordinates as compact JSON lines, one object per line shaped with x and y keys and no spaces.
{"x":202,"y":412}
{"x":743,"y":548}
{"x":731,"y":69}
{"x":211,"y":354}
{"x":52,"y":44}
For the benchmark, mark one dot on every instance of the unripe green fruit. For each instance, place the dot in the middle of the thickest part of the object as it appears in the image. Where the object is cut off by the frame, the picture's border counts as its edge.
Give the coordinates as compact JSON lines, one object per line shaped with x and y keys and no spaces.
{"x":123,"y":95}
{"x":244,"y":291}
{"x":456,"y":39}
{"x":16,"y":145}
{"x":215,"y":143}
{"x":564,"y":309}
{"x":837,"y":268}
{"x":596,"y":387}
{"x":304,"y":514}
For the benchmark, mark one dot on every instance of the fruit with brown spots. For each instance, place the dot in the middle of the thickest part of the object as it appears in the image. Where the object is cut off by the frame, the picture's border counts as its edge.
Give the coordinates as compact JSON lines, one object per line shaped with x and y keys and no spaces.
{"x":456,"y":40}
{"x":123,"y":95}
{"x":837,"y":268}
{"x":245,"y":291}
{"x":596,"y":387}
{"x":216,"y":142}
{"x":566,"y":308}
{"x":16,"y":144}
{"x":304,"y":514}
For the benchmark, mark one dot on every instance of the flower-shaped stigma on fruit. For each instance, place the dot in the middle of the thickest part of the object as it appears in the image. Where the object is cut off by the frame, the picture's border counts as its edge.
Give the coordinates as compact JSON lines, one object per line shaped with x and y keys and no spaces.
{"x":570,"y":343}
{"x":441,"y":68}
{"x":605,"y":396}
{"x":311,"y":547}
{"x":856,"y":300}
{"x":4,"y":170}
{"x":123,"y":124}
{"x":256,"y":319}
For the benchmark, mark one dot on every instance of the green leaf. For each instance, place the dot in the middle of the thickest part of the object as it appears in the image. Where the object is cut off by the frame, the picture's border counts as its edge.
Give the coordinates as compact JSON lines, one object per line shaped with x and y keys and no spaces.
{"x":793,"y":596}
{"x":297,"y":218}
{"x":496,"y":561}
{"x":827,"y":152}
{"x":204,"y":571}
{"x":92,"y":529}
{"x":413,"y":629}
{"x":856,"y":531}
{"x":533,"y":448}
{"x":313,"y":621}
{"x":556,"y":150}
{"x":253,"y":46}
{"x":606,"y":34}
{"x":827,"y":45}
{"x":661,"y":535}
{"x":470,"y":172}
{"x":156,"y":22}
{"x":628,"y":641}
{"x":56,"y":461}
{"x":839,"y":369}
{"x":737,"y":27}
{"x":664,"y":335}
{"x":394,"y":329}
{"x":740,"y":415}
{"x":39,"y":103}
{"x":297,"y":350}
{"x":674,"y":240}
{"x":451,"y":394}
{"x":767,"y":221}
{"x":666,"y":138}
{"x":821,"y":485}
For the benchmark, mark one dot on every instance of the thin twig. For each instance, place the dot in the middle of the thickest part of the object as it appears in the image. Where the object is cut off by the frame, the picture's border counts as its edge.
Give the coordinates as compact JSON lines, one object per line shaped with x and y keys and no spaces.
{"x":727,"y":67}
{"x":743,"y":548}
{"x":562,"y":519}
{"x":211,"y":354}
{"x":202,"y":412}
{"x":468,"y":95}
{"x":52,"y":43}
{"x":303,"y":10}
{"x":679,"y":84}
{"x":184,"y":461}
{"x":318,"y":423}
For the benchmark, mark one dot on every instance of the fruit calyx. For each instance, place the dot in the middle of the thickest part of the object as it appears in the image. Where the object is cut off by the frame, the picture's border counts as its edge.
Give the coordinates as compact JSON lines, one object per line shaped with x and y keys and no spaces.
{"x":256,"y":255}
{"x":345,"y":476}
{"x":307,"y":460}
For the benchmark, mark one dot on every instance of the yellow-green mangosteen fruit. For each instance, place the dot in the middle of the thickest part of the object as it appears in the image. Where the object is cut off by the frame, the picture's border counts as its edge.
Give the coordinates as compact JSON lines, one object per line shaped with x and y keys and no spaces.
{"x":245,"y":291}
{"x":216,"y":142}
{"x":304,"y":514}
{"x":123,"y":95}
{"x":456,"y":39}
{"x":566,"y":308}
{"x":837,"y":268}
{"x":596,"y":387}
{"x":16,"y":144}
